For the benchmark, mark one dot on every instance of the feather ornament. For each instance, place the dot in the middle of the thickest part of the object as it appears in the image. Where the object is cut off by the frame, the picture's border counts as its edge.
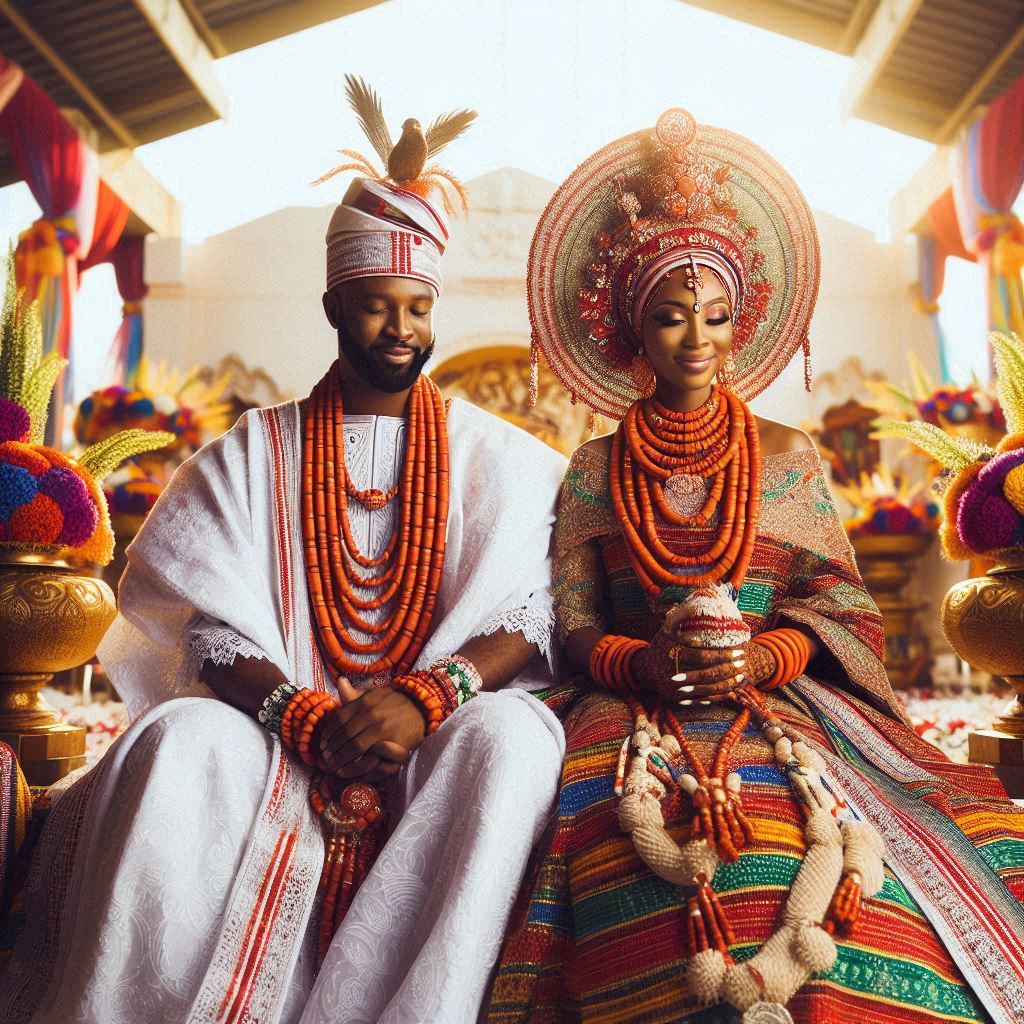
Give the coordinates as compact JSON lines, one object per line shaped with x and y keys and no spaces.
{"x":447,"y":128}
{"x":368,"y":108}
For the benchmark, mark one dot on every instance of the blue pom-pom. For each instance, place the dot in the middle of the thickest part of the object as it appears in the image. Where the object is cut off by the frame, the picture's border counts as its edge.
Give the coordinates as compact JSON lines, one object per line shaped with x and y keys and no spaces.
{"x":17,"y":488}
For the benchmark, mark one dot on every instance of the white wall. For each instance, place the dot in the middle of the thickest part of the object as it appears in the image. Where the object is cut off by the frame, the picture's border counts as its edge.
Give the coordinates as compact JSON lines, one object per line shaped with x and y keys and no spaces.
{"x":255,"y":291}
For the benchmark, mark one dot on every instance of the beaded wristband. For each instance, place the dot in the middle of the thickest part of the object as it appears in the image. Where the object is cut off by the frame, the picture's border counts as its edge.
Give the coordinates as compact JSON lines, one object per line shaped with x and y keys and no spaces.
{"x":269,"y":714}
{"x":611,"y":662}
{"x":462,"y":674}
{"x":435,"y":704}
{"x":792,"y":652}
{"x":305,"y":711}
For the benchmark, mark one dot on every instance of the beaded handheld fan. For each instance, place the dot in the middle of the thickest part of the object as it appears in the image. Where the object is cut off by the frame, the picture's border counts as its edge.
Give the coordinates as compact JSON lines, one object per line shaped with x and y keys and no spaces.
{"x":678,"y":186}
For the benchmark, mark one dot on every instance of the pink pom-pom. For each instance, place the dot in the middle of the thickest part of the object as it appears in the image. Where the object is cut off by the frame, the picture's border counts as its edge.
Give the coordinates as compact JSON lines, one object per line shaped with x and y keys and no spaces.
{"x":15,"y":422}
{"x":986,"y":521}
{"x":80,"y":514}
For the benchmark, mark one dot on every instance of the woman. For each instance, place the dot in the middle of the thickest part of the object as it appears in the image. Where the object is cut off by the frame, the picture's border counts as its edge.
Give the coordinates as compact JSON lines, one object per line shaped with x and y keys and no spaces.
{"x":733,"y":782}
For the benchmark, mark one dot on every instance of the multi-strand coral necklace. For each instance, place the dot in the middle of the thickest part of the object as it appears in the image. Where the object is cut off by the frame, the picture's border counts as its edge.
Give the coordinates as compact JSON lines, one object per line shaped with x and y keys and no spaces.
{"x":712,"y":452}
{"x":407,"y":573}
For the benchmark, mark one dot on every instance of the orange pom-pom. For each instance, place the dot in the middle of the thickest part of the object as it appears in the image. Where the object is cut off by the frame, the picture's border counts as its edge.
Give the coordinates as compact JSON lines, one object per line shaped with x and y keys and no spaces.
{"x":14,"y":453}
{"x":38,"y":522}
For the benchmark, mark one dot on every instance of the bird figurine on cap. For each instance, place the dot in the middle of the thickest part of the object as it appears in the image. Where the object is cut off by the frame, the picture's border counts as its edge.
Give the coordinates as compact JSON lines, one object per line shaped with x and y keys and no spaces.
{"x":406,"y":160}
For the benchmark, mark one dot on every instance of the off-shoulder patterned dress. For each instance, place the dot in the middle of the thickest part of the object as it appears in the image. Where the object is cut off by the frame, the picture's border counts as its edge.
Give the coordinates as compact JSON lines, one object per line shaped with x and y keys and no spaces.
{"x":598,"y":938}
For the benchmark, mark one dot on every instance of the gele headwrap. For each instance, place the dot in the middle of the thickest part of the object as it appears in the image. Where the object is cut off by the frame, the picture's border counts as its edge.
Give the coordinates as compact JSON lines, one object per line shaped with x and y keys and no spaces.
{"x":383,"y":230}
{"x":681,"y":195}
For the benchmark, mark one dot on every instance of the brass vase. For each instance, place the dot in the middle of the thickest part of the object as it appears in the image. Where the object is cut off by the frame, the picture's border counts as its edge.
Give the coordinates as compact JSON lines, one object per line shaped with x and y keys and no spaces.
{"x":886,"y":563}
{"x":983,"y":620}
{"x":52,"y":618}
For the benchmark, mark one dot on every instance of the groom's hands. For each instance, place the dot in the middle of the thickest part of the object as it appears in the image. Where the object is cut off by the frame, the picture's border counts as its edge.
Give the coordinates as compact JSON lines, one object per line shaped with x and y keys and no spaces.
{"x":372,"y":734}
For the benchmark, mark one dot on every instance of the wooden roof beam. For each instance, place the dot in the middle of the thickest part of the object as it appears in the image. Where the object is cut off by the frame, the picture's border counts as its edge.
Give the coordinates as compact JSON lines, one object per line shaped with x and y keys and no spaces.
{"x":856,"y":23}
{"x":172,"y":25}
{"x":153,"y":207}
{"x":908,"y":212}
{"x":212,"y":40}
{"x":964,"y":110}
{"x":780,"y":17}
{"x":114,"y":124}
{"x":887,"y":27}
{"x":285,"y":19}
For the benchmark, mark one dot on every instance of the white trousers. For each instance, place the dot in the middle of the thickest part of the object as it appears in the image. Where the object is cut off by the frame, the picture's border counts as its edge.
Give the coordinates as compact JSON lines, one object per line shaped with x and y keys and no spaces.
{"x":137,"y":876}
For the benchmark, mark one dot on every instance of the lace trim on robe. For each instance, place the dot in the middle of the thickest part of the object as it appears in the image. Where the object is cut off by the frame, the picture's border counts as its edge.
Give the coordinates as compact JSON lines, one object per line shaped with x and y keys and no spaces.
{"x":534,"y":618}
{"x":212,"y":641}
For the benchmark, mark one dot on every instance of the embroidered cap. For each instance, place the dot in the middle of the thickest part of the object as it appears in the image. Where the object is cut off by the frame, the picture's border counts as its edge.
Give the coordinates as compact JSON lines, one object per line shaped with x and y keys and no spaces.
{"x":383,"y":230}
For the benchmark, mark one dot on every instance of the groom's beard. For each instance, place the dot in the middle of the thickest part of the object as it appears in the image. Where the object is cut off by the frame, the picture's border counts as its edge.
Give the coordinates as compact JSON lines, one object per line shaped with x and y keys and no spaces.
{"x":379,"y":374}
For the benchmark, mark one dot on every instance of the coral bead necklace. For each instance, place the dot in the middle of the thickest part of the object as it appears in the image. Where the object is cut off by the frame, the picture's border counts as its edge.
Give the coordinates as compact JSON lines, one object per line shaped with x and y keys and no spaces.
{"x":408,"y":571}
{"x":713,"y":450}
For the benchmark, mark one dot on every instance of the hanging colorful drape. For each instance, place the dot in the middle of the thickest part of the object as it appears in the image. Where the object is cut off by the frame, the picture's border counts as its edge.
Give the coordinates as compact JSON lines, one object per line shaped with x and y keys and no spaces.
{"x":111,"y":218}
{"x":62,"y":173}
{"x":988,"y":172}
{"x":126,"y":351}
{"x":933,"y":249}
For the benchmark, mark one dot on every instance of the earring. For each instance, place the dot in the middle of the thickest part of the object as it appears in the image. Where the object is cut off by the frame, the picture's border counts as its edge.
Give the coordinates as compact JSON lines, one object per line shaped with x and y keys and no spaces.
{"x":727,"y":373}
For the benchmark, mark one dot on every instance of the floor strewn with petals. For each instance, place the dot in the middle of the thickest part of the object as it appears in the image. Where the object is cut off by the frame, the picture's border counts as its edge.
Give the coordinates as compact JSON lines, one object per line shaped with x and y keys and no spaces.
{"x":943,"y":717}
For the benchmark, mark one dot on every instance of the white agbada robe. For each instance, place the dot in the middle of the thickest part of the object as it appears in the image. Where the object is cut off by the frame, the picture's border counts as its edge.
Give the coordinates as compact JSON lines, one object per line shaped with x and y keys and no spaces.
{"x":176,"y":880}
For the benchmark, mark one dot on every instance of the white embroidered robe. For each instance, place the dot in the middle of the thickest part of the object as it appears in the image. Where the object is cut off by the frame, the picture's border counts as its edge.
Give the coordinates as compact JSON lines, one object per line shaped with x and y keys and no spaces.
{"x":176,"y":881}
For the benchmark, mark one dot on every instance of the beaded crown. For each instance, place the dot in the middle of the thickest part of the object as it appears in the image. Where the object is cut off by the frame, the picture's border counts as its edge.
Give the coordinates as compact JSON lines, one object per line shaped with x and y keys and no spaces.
{"x":681,"y":194}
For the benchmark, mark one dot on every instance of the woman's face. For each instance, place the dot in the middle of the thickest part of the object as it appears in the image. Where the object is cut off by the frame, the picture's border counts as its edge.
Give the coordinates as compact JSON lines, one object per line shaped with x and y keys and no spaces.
{"x":686,"y":348}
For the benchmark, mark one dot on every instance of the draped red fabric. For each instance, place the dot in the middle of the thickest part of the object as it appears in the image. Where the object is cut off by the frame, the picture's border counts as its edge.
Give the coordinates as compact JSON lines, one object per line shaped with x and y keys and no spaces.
{"x":61,"y":171}
{"x":127,"y":258}
{"x":1001,"y":148}
{"x":111,"y":217}
{"x":47,"y":151}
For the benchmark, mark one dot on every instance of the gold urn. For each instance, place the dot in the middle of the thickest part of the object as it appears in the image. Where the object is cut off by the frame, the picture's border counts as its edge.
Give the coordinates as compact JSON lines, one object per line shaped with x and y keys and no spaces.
{"x":52,"y":618}
{"x":983,"y":620}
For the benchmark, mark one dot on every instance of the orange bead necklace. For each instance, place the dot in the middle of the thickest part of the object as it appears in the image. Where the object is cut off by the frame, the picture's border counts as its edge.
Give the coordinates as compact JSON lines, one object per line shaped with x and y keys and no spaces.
{"x":717,"y":447}
{"x":409,"y":570}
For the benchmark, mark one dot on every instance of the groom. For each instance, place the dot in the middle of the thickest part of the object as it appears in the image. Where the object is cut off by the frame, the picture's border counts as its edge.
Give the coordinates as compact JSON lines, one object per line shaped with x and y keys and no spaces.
{"x":369,"y":543}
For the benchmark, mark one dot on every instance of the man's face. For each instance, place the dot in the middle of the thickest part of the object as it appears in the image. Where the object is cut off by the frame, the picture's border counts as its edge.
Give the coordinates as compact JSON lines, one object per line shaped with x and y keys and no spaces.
{"x":385,"y":328}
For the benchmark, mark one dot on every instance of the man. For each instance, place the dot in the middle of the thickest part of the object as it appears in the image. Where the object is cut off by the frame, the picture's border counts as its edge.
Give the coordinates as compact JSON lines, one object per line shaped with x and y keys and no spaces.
{"x":364,"y":542}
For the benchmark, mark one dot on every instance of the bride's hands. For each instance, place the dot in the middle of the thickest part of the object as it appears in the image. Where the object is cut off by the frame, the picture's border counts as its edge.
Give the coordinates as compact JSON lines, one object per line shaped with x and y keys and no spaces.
{"x":713,"y":675}
{"x":684,"y":674}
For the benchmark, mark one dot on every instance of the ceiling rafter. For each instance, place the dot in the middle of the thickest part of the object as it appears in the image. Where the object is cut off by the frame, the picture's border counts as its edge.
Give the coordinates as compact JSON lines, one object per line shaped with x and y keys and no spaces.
{"x":884,"y":32}
{"x":283,"y":19}
{"x":24,"y":27}
{"x":172,"y":25}
{"x":961,"y":113}
{"x":779,"y":16}
{"x":855,"y":25}
{"x":202,"y":26}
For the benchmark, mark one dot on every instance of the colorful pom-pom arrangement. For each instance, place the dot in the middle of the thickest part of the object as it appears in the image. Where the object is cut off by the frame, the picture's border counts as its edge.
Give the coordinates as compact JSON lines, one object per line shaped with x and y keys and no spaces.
{"x":112,"y":409}
{"x":15,"y":422}
{"x":888,"y":515}
{"x":988,"y":516}
{"x":131,"y":492}
{"x":46,"y":500}
{"x":959,"y":407}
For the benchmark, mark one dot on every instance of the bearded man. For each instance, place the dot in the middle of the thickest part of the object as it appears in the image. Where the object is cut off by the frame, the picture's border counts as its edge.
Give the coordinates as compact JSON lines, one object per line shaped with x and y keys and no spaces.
{"x":357,"y":578}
